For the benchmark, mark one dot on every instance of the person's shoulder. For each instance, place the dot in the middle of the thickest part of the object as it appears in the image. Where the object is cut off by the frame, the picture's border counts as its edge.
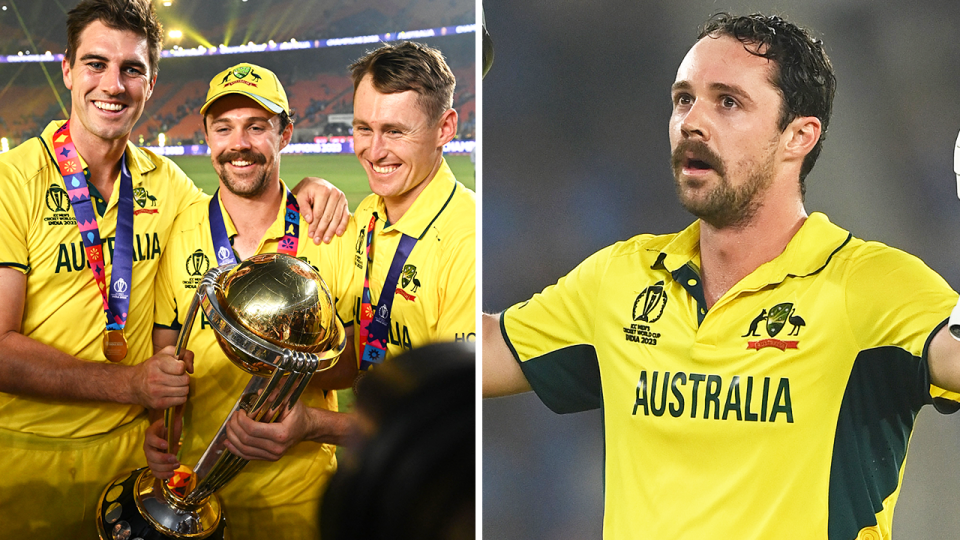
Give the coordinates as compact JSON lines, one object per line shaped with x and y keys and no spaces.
{"x":148,"y":160}
{"x":647,"y":245}
{"x":192,"y":219}
{"x":25,"y":163}
{"x":866,"y":261}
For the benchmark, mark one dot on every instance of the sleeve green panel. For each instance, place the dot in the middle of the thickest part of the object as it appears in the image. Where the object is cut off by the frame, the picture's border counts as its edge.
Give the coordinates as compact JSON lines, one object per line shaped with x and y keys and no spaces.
{"x":894,"y":299}
{"x":552,"y":336}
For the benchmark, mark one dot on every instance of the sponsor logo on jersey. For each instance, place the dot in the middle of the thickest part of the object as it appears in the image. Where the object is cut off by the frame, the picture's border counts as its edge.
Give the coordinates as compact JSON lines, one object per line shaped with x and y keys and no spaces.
{"x":647,"y":308}
{"x":774,"y":320}
{"x":58,"y":202}
{"x":142,"y":197}
{"x":714,"y":397}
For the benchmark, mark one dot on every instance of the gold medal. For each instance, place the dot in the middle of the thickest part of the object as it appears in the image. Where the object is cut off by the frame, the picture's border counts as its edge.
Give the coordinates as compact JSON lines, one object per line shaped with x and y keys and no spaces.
{"x":114,"y":345}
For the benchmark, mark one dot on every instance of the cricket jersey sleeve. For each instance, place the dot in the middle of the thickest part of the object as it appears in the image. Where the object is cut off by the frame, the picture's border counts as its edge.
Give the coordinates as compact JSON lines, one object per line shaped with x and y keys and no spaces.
{"x":552,"y":336}
{"x":17,"y":201}
{"x":894,"y":301}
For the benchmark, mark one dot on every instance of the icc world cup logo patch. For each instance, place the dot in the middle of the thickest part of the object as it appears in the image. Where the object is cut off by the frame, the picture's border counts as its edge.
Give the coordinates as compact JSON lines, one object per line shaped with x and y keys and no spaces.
{"x":57,"y":199}
{"x":649,"y":305}
{"x":774,"y":320}
{"x":197,"y":263}
{"x":647,"y":309}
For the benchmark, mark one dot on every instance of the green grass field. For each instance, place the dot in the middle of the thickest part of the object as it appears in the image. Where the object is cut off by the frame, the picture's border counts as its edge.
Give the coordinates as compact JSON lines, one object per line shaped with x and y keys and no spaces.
{"x":340,"y":169}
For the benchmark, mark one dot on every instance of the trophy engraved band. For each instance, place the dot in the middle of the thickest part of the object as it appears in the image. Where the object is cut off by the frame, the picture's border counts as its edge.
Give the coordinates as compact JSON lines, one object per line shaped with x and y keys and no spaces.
{"x":275,"y":319}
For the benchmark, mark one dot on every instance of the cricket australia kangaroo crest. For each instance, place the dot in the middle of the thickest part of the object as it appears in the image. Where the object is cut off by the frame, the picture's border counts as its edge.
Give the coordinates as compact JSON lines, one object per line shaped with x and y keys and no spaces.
{"x":774,"y":320}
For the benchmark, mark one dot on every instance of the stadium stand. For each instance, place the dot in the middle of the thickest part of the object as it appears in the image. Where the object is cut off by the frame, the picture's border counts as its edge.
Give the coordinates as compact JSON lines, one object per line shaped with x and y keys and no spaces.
{"x":316,"y":80}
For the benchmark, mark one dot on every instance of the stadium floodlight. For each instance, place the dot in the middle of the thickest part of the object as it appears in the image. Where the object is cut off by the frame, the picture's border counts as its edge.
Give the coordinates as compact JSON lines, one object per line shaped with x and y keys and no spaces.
{"x":175,"y":34}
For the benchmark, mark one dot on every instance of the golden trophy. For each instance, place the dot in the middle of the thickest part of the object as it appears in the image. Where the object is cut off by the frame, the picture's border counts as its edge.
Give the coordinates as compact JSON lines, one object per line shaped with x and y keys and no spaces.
{"x":275,"y":319}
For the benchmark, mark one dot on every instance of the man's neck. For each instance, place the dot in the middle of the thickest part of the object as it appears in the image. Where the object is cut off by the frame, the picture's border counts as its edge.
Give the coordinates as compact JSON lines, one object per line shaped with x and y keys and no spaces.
{"x":252,"y":216}
{"x":101,"y":156}
{"x":727,"y":255}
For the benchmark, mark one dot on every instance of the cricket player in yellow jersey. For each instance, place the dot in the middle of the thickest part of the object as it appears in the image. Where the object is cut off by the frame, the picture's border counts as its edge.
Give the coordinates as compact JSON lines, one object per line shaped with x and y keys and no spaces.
{"x":84,"y":217}
{"x":73,"y":377}
{"x":411,"y":272}
{"x":404,"y":273}
{"x":756,"y":378}
{"x":247,"y":123}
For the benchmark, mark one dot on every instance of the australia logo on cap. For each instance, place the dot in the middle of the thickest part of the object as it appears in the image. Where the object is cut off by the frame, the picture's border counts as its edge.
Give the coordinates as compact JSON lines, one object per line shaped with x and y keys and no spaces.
{"x":241,"y":72}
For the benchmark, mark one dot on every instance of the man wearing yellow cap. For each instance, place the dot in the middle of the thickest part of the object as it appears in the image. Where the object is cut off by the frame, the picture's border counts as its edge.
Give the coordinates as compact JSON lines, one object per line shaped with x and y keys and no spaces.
{"x":404,"y":273}
{"x":247,"y":122}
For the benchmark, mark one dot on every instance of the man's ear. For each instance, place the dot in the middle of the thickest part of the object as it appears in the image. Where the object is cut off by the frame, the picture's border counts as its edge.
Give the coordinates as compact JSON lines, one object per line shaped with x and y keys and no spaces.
{"x":447,"y":128}
{"x":286,"y":136}
{"x":66,"y":68}
{"x":803,"y":134}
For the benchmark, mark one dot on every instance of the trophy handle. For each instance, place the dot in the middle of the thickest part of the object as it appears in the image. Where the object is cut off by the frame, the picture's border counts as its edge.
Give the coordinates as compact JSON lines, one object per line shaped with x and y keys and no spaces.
{"x":182,"y":339}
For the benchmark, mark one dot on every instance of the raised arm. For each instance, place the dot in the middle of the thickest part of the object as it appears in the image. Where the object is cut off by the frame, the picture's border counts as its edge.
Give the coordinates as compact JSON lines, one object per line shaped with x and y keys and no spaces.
{"x":502,"y":375}
{"x":30,"y":368}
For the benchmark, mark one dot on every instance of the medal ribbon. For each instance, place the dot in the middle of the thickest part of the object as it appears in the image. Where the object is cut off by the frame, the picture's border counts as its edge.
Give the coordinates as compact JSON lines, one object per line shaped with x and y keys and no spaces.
{"x":375,"y":326}
{"x":223,"y":251}
{"x":115,"y":304}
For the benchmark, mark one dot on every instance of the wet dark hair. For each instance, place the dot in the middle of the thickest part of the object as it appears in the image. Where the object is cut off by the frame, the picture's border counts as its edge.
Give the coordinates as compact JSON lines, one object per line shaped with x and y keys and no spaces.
{"x":803,"y":72}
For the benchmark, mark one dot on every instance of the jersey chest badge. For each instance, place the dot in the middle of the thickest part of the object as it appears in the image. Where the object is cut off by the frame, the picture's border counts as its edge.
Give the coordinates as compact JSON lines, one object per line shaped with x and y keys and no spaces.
{"x":647,"y":309}
{"x":773,"y":321}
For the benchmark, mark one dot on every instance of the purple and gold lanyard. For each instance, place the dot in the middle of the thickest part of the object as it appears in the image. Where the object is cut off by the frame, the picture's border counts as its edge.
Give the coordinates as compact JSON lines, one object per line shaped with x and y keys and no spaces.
{"x":375,"y":326}
{"x":223,"y":251}
{"x":116,"y":304}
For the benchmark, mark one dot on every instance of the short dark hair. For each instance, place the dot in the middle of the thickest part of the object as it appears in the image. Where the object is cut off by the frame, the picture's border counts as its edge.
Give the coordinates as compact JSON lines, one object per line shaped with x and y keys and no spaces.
{"x":409,"y":66}
{"x":137,"y":16}
{"x":803,"y":72}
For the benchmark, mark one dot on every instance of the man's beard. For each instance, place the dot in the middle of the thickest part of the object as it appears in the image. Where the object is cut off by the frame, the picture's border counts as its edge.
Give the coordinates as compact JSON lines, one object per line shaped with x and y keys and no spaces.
{"x":724,"y":206}
{"x":259,"y":184}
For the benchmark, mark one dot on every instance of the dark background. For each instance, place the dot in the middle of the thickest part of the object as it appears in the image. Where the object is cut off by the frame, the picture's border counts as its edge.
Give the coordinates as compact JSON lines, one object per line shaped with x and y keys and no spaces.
{"x":576,"y":157}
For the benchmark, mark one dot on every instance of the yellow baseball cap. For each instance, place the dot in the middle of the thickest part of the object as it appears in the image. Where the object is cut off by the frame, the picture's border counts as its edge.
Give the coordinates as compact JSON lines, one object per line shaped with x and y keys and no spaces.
{"x":250,"y":80}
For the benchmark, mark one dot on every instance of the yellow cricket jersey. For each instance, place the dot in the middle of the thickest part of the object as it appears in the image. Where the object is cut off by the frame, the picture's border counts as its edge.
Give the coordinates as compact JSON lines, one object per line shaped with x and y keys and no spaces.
{"x":63,"y":307}
{"x":783,"y":412}
{"x":435,"y":295}
{"x":217,"y":383}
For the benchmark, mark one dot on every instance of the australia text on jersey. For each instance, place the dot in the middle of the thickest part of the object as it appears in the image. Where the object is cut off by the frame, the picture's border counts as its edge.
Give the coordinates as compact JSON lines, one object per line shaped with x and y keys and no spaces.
{"x":71,"y":257}
{"x":746,"y":400}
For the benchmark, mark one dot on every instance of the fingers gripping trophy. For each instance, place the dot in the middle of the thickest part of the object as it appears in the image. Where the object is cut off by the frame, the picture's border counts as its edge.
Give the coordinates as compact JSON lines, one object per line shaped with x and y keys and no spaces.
{"x":275,"y":319}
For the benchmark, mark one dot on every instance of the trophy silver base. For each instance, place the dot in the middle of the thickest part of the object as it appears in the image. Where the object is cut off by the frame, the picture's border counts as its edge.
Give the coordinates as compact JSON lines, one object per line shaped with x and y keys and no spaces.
{"x":134,"y":506}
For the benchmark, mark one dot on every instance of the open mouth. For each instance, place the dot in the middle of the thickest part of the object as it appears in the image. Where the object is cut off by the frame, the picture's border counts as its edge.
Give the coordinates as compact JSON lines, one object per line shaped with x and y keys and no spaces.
{"x":697,"y":165}
{"x":694,"y":157}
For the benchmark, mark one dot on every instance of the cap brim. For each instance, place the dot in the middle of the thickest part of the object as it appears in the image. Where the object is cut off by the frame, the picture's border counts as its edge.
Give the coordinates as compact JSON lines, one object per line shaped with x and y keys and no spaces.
{"x":265,"y":103}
